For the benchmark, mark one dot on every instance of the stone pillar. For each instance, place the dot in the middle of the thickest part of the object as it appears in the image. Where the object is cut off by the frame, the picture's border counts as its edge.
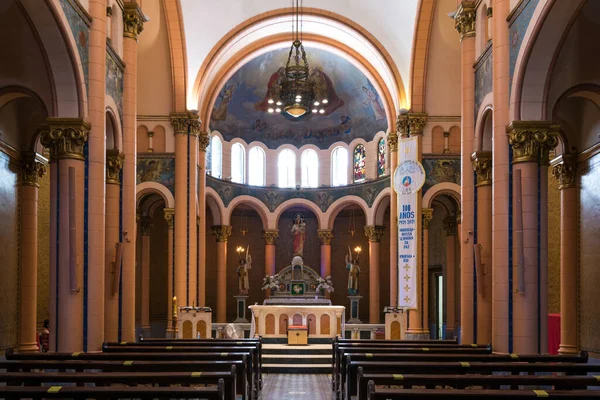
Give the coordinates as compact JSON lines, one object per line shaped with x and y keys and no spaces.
{"x":531,"y":142}
{"x":450,"y":227}
{"x":114,"y":164}
{"x":374,"y":233}
{"x":566,"y":173}
{"x":464,"y":21}
{"x":133,"y":20}
{"x":66,"y":138}
{"x":482,"y":165}
{"x":222,"y":233}
{"x":33,"y":169}
{"x":270,"y":236}
{"x":145,"y":225}
{"x":325,"y":235}
{"x":150,"y":142}
{"x":193,"y":123}
{"x":169,"y":217}
{"x":392,"y":142}
{"x":427,"y":216}
{"x":203,"y":142}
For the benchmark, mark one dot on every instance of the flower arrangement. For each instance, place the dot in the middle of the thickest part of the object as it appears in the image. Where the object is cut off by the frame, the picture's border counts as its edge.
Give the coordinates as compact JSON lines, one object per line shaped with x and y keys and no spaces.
{"x":270,"y":282}
{"x":325,"y":284}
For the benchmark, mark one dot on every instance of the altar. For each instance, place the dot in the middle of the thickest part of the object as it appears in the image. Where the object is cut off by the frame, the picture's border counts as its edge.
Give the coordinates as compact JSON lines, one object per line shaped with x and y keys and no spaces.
{"x":322,"y":321}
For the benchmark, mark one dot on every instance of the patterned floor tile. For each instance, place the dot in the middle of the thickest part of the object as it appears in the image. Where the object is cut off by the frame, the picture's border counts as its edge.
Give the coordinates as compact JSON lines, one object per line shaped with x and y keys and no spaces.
{"x":296,"y":387}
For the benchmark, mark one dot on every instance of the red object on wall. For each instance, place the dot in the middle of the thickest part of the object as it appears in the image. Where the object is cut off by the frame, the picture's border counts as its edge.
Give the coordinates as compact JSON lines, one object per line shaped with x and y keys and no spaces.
{"x":553,"y":333}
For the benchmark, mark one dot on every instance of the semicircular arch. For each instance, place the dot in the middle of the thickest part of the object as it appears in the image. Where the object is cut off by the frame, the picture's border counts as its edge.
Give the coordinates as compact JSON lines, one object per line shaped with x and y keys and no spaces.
{"x":334,"y":209}
{"x":449,"y":188}
{"x":145,"y":188}
{"x":297,"y":202}
{"x":252,"y":202}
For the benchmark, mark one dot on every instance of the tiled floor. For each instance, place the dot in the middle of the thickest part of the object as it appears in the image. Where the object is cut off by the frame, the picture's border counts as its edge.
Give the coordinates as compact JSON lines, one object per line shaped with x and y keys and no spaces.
{"x":296,"y":386}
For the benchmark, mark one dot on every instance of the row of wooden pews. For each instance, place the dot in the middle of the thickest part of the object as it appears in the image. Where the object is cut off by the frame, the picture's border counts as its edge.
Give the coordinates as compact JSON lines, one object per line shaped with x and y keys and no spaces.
{"x":366,"y":369}
{"x":228,"y":369}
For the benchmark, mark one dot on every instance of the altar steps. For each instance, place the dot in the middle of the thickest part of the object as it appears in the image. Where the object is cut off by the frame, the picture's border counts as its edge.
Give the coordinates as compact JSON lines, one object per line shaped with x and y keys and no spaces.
{"x":283,"y":359}
{"x":284,"y":340}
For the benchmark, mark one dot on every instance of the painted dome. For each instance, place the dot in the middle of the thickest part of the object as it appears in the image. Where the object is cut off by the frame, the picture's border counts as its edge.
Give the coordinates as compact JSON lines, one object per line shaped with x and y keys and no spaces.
{"x":355,"y":109}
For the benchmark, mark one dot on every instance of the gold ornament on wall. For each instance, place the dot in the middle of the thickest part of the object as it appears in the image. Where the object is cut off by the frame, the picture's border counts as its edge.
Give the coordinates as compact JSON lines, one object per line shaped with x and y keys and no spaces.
{"x":65,"y":137}
{"x":464,"y":19}
{"x":482,"y":165}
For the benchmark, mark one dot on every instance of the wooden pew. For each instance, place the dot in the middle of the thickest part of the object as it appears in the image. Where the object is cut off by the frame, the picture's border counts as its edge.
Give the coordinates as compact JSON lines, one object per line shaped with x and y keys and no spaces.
{"x":349,"y":370}
{"x":107,"y":392}
{"x":374,"y":393}
{"x":130,"y":379}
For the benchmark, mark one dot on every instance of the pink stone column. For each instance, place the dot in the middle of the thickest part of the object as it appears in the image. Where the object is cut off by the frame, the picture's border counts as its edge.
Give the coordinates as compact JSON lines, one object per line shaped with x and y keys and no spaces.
{"x":222,"y":233}
{"x":270,"y":236}
{"x":145,"y":225}
{"x":181,"y":219}
{"x":566,"y":173}
{"x":169,"y":214}
{"x":193,"y":218}
{"x":393,"y":156}
{"x":133,"y":20}
{"x":450,"y":227}
{"x":114,"y":164}
{"x":203,"y":142}
{"x":374,"y":233}
{"x":53,"y":251}
{"x":33,"y":168}
{"x":482,"y":164}
{"x":427,"y":214}
{"x":96,"y":176}
{"x":465,"y":25}
{"x":325,"y":236}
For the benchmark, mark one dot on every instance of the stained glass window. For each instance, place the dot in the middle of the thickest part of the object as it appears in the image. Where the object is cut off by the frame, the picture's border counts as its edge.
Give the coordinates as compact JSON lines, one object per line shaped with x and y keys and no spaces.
{"x":339,"y":167}
{"x":381,"y":158}
{"x":237,"y":163}
{"x":256,"y":166}
{"x":360,"y":169}
{"x":215,"y":157}
{"x":286,"y":168}
{"x":309,"y":163}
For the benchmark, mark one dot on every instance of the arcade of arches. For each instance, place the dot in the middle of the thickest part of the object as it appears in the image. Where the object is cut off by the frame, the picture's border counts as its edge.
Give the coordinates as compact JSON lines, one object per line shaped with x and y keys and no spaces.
{"x":138,"y":155}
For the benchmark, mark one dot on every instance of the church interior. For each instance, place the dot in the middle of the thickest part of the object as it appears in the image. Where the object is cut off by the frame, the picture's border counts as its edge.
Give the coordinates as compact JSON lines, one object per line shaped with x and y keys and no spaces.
{"x":415,"y":173}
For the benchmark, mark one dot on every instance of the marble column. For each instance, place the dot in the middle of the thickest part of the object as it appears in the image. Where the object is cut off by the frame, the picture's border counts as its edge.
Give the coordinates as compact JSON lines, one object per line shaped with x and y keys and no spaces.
{"x":203,"y":142}
{"x":222,"y":233}
{"x":427,"y":217}
{"x":114,"y":164}
{"x":169,"y":214}
{"x":374,"y":233}
{"x":145,"y":225}
{"x":464,"y":22}
{"x":482,"y":165}
{"x":33,"y":168}
{"x":392,"y":141}
{"x":270,"y":236}
{"x":325,"y":236}
{"x":194,"y":124}
{"x":133,"y":21}
{"x":531,"y":142}
{"x":66,"y":138}
{"x":450,"y":228}
{"x":566,"y":173}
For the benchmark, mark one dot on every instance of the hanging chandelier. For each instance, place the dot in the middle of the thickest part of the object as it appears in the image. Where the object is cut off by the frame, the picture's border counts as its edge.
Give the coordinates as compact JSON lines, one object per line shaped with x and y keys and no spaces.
{"x":296,"y":93}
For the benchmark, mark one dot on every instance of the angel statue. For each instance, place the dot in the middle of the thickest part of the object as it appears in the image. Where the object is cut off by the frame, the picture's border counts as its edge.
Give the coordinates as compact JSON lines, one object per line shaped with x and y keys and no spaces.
{"x":245,"y":264}
{"x":353,"y":272}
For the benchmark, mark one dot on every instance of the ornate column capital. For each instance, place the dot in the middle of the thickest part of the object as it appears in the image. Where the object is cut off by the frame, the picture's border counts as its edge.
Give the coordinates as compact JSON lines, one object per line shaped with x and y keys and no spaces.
{"x":146,"y":224}
{"x":194,"y":123}
{"x":222,"y":232}
{"x":186,"y":123}
{"x":169,"y":216}
{"x":464,"y":19}
{"x":532,"y":141}
{"x":325,"y":235}
{"x":416,"y":123}
{"x":402,"y":125}
{"x":392,"y":141}
{"x":427,"y":214}
{"x":450,"y":226}
{"x":133,"y":20}
{"x":270,"y":235}
{"x":374,"y":232}
{"x":65,"y":137}
{"x":565,"y":171}
{"x":114,"y":164}
{"x":203,"y":141}
{"x":482,"y":165}
{"x":33,"y":168}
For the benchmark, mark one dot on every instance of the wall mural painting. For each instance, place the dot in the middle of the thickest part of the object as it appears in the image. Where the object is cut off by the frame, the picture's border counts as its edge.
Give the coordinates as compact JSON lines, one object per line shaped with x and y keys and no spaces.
{"x":157,"y":169}
{"x":441,"y":169}
{"x":483,"y":80}
{"x":80,"y":28}
{"x":381,"y":158}
{"x":114,"y":81}
{"x":518,"y":25}
{"x":354,"y":110}
{"x":359,"y":167}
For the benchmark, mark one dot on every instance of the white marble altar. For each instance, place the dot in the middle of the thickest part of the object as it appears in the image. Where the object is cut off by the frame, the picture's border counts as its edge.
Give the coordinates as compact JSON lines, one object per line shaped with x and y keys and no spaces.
{"x":272,"y":320}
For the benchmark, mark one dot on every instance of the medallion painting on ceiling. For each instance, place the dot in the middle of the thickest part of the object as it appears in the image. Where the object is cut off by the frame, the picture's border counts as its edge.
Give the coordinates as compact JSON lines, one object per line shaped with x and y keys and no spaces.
{"x":354,"y":108}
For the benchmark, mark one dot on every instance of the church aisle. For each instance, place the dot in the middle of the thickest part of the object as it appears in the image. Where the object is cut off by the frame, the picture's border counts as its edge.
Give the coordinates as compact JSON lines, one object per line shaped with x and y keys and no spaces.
{"x":296,"y":386}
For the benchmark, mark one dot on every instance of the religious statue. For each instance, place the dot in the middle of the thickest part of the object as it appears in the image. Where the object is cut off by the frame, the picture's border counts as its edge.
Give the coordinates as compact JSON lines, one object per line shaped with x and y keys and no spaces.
{"x":298,"y":234}
{"x":245,"y":264}
{"x":353,"y":272}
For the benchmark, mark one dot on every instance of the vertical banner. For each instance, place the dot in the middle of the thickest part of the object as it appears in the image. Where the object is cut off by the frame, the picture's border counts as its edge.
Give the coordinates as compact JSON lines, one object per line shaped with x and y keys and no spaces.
{"x":409,"y":177}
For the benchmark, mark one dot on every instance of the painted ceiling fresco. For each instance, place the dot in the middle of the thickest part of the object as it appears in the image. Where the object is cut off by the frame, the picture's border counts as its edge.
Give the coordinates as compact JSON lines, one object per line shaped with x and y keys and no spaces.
{"x":355,"y":109}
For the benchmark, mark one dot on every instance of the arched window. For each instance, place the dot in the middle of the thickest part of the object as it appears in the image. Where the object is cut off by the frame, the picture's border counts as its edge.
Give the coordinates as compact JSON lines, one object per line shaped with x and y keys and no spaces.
{"x":339,"y":167}
{"x":216,"y":153}
{"x":286,"y":168}
{"x":256,"y":166}
{"x":359,"y":167}
{"x":309,"y":163}
{"x":381,"y":158}
{"x":237,"y":163}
